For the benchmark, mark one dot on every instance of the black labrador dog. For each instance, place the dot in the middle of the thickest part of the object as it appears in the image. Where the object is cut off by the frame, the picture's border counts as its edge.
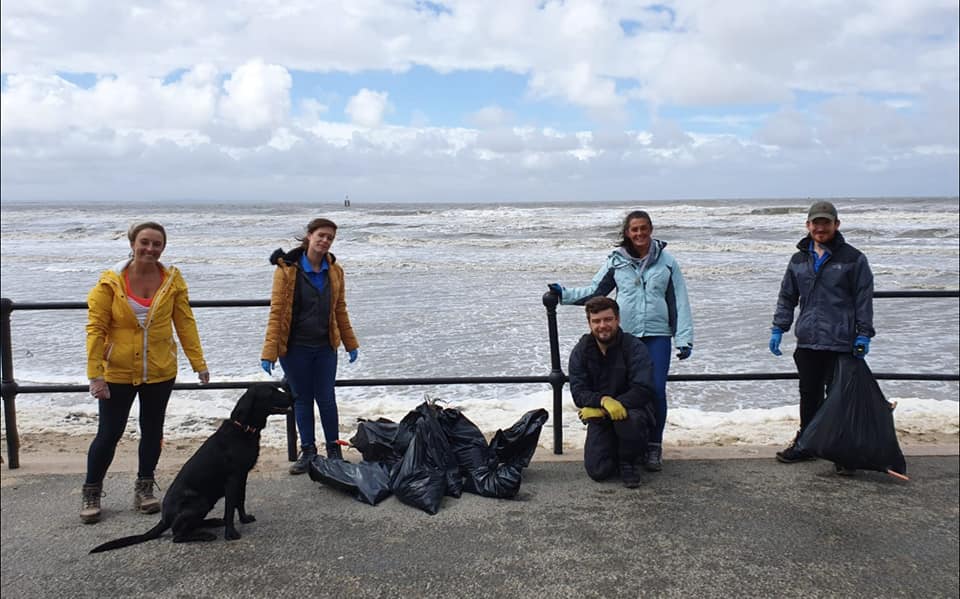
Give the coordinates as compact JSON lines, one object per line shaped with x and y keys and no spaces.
{"x":219,"y":468}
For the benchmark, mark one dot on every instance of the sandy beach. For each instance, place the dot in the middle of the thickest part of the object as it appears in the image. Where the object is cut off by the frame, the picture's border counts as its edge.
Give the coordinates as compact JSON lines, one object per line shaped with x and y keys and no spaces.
{"x":58,"y":453}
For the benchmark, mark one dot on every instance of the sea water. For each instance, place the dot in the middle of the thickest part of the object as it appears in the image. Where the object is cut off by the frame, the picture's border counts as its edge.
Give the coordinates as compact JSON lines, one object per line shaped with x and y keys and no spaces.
{"x":456,"y":290}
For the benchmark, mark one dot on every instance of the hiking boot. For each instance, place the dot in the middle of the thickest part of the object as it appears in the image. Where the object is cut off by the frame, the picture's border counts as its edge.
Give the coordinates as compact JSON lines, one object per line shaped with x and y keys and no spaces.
{"x":143,"y":498}
{"x":307,"y":453}
{"x":653,"y":462}
{"x":792,"y":454}
{"x":630,"y":475}
{"x":90,"y":503}
{"x":843,"y":470}
{"x":334,"y":452}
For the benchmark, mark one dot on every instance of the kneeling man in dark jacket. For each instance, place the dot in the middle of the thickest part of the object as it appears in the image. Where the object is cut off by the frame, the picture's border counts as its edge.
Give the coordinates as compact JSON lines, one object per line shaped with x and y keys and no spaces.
{"x":611,"y":378}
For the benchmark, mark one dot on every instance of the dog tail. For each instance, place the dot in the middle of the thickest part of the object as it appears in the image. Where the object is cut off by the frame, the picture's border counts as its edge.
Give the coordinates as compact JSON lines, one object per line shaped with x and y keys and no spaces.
{"x":153,"y":533}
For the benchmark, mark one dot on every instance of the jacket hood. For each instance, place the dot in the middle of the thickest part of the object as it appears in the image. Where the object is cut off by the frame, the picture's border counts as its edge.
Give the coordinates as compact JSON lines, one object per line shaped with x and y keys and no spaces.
{"x":293,"y":256}
{"x":119,"y":267}
{"x":656,"y":246}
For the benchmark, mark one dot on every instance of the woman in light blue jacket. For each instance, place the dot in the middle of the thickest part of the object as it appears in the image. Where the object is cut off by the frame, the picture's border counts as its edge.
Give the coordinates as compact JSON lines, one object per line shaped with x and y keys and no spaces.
{"x":653,"y":304}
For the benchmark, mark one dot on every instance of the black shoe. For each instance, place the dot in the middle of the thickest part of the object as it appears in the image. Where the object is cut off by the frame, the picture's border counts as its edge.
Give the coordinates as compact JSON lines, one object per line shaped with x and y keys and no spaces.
{"x":630,"y":475}
{"x":307,"y":453}
{"x":334,"y":452}
{"x":653,"y":462}
{"x":791,"y":454}
{"x":843,"y":470}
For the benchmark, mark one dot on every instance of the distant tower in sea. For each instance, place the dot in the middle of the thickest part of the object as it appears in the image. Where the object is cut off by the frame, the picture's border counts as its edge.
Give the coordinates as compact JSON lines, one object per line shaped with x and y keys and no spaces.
{"x":346,"y":201}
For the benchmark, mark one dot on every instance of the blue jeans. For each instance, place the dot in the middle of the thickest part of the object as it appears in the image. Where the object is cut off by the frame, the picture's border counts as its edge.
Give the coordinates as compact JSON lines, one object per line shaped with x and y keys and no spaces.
{"x":312,"y":372}
{"x":660,"y":352}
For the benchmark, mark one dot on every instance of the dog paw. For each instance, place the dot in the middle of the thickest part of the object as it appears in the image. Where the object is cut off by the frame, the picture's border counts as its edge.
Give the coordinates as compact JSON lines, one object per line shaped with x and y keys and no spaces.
{"x":231,"y":534}
{"x":247,"y":518}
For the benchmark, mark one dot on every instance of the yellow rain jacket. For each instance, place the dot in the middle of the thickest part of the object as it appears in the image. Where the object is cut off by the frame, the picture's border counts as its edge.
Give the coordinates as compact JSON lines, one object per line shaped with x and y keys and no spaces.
{"x":122,"y":351}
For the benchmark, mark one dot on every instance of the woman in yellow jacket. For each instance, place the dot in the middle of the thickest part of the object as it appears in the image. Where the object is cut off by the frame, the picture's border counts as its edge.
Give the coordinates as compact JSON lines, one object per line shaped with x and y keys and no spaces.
{"x":133,"y":309}
{"x":308,"y":322}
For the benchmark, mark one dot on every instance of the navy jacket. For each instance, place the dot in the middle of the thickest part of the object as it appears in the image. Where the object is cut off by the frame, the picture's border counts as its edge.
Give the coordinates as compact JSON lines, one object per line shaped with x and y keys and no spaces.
{"x":836,"y":302}
{"x":624,"y":373}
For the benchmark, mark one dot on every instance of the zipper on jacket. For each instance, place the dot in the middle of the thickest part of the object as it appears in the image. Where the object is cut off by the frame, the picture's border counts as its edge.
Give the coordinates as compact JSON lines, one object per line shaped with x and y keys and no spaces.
{"x":149,"y":318}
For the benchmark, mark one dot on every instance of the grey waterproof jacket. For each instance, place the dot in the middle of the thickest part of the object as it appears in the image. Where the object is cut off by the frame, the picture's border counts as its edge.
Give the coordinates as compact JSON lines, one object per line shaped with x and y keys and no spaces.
{"x":836,"y":302}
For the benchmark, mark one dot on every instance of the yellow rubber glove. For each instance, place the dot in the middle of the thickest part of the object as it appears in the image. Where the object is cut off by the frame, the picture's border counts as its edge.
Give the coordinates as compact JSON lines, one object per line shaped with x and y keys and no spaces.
{"x":614,"y":408}
{"x":591,"y":414}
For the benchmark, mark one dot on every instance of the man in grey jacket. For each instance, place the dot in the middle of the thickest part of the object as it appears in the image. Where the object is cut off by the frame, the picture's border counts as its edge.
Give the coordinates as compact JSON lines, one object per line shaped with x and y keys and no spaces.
{"x":832,"y":282}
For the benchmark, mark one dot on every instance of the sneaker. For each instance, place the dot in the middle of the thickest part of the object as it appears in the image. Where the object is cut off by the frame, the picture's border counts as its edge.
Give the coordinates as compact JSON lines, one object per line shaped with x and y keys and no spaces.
{"x":630,"y":475}
{"x":90,"y":503}
{"x":653,"y":462}
{"x":307,"y":453}
{"x":144,"y":500}
{"x":791,"y":454}
{"x":843,"y":470}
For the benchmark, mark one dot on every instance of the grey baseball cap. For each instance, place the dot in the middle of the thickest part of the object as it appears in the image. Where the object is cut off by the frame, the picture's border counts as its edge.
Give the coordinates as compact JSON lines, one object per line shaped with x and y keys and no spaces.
{"x":822,"y":210}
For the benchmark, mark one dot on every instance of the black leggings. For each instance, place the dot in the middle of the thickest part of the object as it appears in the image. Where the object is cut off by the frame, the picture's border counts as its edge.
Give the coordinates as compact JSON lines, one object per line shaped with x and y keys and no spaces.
{"x":113,"y":422}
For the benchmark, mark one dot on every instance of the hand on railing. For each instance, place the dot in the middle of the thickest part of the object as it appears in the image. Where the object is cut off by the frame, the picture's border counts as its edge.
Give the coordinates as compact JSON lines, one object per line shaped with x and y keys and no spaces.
{"x":204,"y":377}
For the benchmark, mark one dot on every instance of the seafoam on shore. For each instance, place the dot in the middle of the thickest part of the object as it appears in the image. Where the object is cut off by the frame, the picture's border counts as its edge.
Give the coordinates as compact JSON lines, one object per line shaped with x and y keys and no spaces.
{"x":916,"y":419}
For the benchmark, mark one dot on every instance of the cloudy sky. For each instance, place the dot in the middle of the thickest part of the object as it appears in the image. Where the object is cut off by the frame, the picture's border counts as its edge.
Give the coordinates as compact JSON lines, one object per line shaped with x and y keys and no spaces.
{"x":391,"y":100}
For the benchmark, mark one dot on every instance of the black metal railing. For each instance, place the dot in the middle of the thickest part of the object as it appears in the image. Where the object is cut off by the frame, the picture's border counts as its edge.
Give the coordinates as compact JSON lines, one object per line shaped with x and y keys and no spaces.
{"x":9,"y":388}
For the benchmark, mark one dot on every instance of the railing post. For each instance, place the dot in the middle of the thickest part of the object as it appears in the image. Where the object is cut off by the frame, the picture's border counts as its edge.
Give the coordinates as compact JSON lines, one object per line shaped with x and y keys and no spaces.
{"x":550,"y":301}
{"x":291,"y":436}
{"x":8,"y":386}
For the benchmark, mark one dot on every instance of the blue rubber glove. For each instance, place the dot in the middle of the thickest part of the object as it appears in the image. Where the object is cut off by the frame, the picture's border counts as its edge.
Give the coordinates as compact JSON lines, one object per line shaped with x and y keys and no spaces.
{"x":861,"y":347}
{"x":776,"y":335}
{"x":267,"y":366}
{"x":556,"y":288}
{"x":684,"y":352}
{"x":354,"y":354}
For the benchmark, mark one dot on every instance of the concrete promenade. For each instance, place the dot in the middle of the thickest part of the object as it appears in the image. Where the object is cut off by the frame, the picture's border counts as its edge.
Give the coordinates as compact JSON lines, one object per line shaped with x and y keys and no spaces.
{"x":702,"y":528}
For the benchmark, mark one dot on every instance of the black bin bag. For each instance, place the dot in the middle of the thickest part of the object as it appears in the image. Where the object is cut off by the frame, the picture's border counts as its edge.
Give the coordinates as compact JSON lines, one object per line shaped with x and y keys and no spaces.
{"x":369,"y":482}
{"x":854,"y":426}
{"x":375,"y":440}
{"x":482,"y":473}
{"x":517,"y":444}
{"x":420,"y":478}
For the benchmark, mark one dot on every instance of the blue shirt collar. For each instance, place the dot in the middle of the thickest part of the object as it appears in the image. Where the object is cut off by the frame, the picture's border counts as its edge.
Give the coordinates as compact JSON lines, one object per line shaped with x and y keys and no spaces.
{"x":308,"y":268}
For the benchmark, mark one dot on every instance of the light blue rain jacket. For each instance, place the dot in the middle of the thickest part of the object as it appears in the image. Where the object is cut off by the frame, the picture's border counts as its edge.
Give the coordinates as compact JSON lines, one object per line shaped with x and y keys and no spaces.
{"x":652,"y":297}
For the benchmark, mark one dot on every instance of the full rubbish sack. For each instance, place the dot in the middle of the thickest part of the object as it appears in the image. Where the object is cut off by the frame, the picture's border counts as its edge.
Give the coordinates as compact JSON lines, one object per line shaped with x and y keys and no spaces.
{"x":482,"y":473}
{"x":420,"y":479}
{"x":375,"y":440}
{"x":369,"y":482}
{"x":854,"y":427}
{"x":518,"y":443}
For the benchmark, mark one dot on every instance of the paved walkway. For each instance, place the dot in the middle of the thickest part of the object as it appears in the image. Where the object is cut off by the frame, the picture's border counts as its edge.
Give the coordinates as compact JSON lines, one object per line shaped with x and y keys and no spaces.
{"x":702,"y":528}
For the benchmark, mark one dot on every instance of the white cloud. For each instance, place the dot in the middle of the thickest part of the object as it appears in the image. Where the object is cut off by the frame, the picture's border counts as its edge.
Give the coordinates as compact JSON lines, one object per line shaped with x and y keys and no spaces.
{"x":367,"y":108}
{"x":490,"y":117}
{"x":257,"y":96}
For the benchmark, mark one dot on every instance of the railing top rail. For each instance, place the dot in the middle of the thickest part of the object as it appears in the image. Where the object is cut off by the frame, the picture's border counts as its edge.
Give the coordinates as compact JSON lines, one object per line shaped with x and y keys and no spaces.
{"x":251,"y":303}
{"x":495,"y":380}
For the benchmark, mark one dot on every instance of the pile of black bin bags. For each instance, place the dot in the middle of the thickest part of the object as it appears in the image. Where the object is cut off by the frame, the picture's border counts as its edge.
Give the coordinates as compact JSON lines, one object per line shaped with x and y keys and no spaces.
{"x":432,"y":452}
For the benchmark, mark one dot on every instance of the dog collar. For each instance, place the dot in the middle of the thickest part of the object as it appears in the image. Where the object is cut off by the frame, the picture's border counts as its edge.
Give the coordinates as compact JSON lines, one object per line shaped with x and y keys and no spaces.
{"x":245,"y":428}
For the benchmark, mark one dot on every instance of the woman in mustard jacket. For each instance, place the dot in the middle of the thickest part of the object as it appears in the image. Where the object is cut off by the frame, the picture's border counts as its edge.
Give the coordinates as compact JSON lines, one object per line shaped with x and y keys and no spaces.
{"x":132,"y":311}
{"x":308,"y":322}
